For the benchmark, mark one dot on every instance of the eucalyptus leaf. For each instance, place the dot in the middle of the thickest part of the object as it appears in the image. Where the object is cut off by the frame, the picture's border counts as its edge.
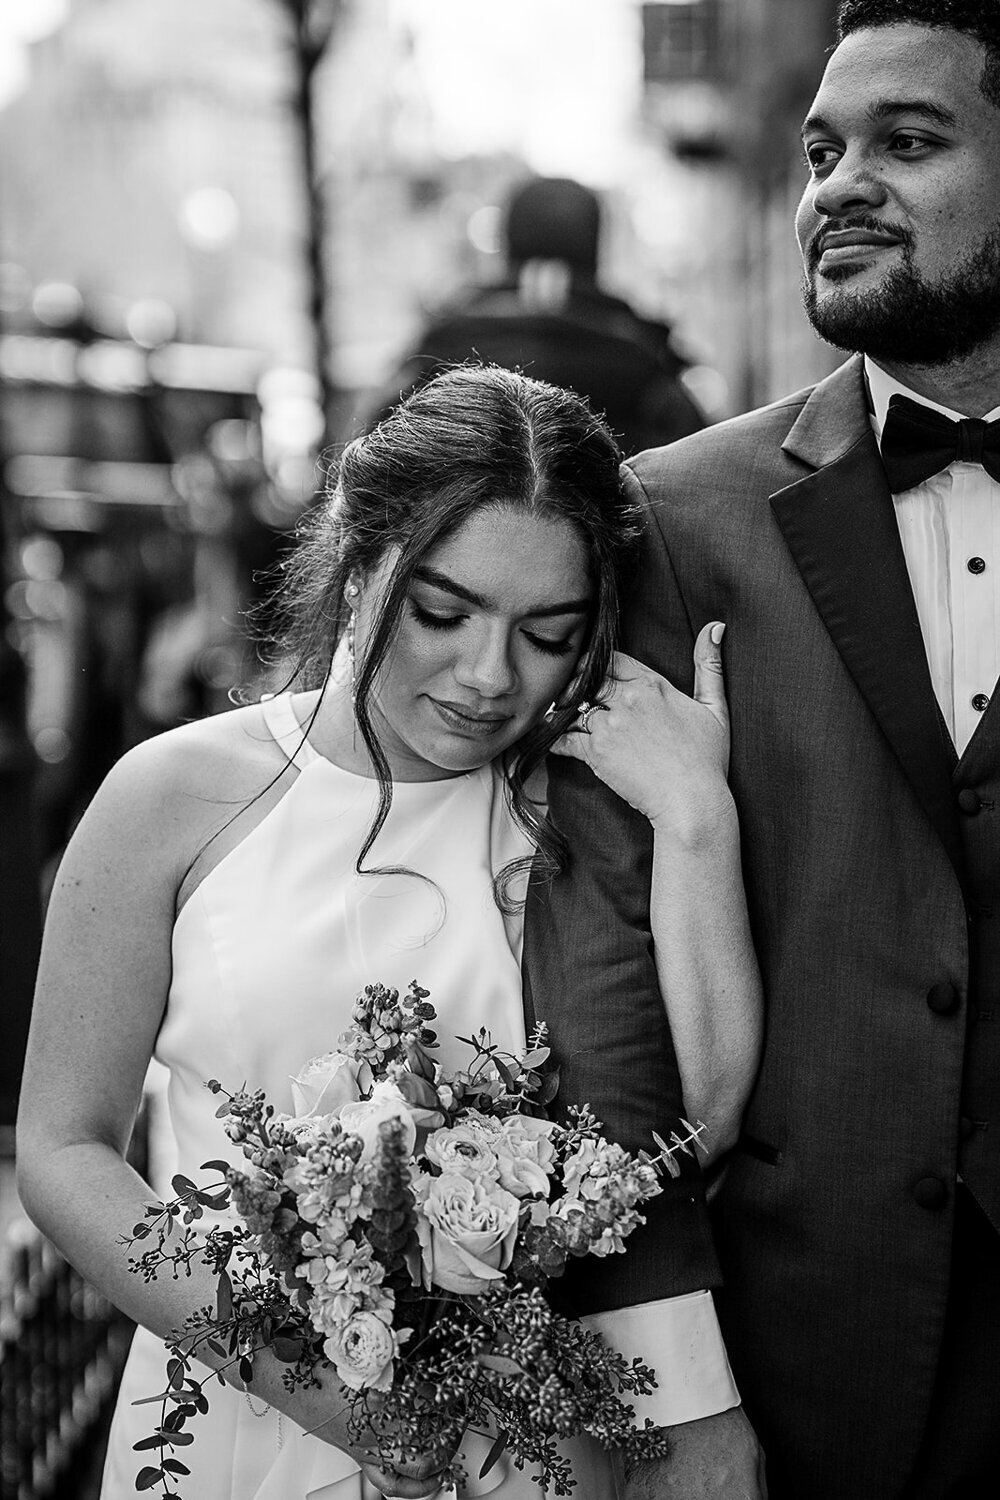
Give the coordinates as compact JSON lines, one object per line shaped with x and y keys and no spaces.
{"x":499,"y":1444}
{"x":174,"y":1466}
{"x":500,"y":1363}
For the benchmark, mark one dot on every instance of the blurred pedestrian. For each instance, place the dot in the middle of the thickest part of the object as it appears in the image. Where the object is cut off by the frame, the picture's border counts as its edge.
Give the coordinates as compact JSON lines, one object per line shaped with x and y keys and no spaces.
{"x":849,"y":537}
{"x":549,"y":317}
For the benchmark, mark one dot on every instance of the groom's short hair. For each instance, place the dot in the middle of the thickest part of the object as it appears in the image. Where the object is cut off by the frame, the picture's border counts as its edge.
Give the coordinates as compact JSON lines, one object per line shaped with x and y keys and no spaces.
{"x":979,"y":19}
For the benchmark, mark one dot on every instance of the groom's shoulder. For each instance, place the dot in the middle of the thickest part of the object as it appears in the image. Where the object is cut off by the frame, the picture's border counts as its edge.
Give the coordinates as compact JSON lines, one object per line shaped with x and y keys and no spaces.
{"x":751,"y":440}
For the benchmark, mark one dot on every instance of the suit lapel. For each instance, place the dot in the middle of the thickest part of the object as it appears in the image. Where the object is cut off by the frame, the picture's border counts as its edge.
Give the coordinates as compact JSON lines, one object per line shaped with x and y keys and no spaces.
{"x":840,"y":526}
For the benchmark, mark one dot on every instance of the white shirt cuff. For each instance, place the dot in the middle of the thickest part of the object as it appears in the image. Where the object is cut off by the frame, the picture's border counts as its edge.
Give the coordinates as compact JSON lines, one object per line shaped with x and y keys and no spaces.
{"x":680,"y":1339}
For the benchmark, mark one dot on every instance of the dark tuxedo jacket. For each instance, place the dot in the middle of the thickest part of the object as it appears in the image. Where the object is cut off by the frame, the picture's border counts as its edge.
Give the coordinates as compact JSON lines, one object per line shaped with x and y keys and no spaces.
{"x":872,"y":865}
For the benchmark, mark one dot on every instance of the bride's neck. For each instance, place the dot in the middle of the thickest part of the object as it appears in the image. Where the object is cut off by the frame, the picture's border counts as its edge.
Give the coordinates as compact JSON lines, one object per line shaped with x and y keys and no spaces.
{"x":327,"y":715}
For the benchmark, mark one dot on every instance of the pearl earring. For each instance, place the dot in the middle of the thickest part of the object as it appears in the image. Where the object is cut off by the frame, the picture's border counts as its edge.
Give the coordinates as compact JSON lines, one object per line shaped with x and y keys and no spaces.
{"x":350,"y":655}
{"x":350,"y":594}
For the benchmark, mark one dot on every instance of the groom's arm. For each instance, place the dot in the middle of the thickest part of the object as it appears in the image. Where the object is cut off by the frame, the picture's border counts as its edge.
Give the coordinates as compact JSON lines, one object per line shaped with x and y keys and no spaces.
{"x":590,"y":972}
{"x":591,"y":976}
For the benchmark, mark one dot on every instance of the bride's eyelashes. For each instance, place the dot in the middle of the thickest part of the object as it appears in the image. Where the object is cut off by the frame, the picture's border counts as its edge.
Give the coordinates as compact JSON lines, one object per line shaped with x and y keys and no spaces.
{"x":432,"y":621}
{"x":548,"y":646}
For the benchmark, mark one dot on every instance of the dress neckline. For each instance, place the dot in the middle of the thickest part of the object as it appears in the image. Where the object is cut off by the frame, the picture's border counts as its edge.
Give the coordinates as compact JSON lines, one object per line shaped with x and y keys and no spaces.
{"x":282,"y":721}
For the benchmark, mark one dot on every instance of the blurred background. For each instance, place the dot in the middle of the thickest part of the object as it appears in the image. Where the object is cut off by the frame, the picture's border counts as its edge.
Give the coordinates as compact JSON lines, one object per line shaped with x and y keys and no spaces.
{"x":225,"y":225}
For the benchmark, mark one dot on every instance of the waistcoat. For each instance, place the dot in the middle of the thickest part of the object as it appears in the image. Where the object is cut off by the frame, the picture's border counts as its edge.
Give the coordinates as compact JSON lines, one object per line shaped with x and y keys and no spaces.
{"x":977,"y":787}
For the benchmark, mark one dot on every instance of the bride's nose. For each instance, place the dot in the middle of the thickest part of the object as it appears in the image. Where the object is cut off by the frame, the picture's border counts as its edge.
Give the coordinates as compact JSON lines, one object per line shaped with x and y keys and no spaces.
{"x":486,"y":664}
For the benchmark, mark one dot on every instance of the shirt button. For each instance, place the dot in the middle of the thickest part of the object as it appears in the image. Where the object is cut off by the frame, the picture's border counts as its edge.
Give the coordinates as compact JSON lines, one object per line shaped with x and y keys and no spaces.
{"x":976,"y":565}
{"x":980,"y":702}
{"x":942,"y":999}
{"x":930,"y":1193}
{"x":968,"y":801}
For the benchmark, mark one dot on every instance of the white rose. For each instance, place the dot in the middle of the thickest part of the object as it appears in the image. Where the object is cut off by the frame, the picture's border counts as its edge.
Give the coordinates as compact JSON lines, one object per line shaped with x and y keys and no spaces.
{"x":364,"y":1118}
{"x":525,"y":1155}
{"x":327,"y":1082}
{"x":466,"y":1231}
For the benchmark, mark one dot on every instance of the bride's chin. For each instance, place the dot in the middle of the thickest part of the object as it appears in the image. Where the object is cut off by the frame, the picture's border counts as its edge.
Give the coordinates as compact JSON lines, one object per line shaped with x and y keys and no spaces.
{"x":457,"y":763}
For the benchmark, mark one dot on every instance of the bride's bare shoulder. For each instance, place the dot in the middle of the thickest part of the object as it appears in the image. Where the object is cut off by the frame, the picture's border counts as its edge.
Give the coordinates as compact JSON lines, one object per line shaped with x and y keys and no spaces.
{"x":169,"y":794}
{"x":169,"y":798}
{"x":230,"y":755}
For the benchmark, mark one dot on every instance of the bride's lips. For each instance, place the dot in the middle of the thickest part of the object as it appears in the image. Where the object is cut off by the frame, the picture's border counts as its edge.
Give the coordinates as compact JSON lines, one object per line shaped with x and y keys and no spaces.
{"x":840,"y":247}
{"x":467,"y":721}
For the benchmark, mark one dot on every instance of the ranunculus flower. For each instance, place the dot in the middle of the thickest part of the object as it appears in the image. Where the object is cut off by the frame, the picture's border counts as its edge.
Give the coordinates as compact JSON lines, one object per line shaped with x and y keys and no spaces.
{"x":362,"y":1351}
{"x":364,"y":1118}
{"x":466,"y":1148}
{"x":327,"y":1082}
{"x":525,"y":1154}
{"x":466,"y":1231}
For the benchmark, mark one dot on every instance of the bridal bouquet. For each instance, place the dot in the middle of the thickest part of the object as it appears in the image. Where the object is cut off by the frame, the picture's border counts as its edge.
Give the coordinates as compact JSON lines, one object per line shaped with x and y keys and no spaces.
{"x":402,"y":1226}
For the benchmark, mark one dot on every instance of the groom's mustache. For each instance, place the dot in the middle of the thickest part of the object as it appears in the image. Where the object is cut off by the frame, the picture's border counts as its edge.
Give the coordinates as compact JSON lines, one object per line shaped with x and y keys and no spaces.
{"x":861,"y":223}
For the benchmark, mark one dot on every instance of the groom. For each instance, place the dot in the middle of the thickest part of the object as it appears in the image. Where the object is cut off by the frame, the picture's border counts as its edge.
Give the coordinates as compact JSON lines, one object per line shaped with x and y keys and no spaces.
{"x":850,"y":538}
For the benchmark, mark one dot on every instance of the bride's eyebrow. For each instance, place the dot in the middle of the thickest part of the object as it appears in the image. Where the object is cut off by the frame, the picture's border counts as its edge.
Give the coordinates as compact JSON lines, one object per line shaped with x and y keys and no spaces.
{"x":450,"y":586}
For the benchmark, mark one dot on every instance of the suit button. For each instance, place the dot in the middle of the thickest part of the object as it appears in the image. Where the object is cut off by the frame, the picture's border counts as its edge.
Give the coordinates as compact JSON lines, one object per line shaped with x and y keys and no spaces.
{"x":968,"y":801}
{"x":930,"y":1193}
{"x":943,"y":999}
{"x":980,"y":702}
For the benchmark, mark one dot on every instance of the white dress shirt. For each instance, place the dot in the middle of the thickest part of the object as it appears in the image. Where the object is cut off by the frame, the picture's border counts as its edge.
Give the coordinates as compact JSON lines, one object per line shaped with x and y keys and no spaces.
{"x":950,"y":530}
{"x":680,"y":1339}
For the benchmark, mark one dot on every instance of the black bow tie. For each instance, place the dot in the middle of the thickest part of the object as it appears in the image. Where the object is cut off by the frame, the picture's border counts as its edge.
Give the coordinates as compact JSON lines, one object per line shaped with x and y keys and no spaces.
{"x":918,"y":442}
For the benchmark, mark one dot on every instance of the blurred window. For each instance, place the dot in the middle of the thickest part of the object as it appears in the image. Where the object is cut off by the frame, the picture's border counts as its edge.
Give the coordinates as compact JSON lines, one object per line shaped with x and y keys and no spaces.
{"x":681,"y":42}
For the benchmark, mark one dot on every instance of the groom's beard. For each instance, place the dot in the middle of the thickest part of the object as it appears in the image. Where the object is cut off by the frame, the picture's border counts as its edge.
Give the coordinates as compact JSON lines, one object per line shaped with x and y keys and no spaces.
{"x":908,"y":320}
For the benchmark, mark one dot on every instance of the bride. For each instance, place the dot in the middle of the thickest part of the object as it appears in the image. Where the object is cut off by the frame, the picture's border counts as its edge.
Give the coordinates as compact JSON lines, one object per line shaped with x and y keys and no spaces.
{"x":449,"y":614}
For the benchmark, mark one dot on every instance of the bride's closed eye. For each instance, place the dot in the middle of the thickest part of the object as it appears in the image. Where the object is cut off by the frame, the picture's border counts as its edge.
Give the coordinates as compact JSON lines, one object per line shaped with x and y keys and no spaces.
{"x":548,"y":645}
{"x":434,"y":621}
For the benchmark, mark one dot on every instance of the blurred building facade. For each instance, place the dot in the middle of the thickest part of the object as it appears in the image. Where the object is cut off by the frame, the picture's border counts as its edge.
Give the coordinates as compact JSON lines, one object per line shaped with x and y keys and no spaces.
{"x":157,"y":154}
{"x":151,"y":157}
{"x":727,"y":85}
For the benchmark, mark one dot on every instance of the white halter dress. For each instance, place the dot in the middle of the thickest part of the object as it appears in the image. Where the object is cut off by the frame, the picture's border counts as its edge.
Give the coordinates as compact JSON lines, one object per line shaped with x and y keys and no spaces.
{"x":268,"y":955}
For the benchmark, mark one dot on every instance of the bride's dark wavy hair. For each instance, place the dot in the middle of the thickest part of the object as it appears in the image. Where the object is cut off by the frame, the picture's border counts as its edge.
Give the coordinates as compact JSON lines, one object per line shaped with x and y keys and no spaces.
{"x":474,"y":437}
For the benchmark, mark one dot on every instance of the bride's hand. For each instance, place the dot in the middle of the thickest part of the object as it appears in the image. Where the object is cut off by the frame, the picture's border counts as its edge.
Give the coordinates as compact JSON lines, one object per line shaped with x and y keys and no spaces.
{"x":413,"y":1480}
{"x":393,"y":1485}
{"x":664,"y":753}
{"x":398,"y":1480}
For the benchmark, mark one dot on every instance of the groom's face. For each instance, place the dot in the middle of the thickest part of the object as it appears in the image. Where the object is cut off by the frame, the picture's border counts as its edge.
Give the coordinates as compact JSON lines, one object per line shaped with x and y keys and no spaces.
{"x":899,"y":225}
